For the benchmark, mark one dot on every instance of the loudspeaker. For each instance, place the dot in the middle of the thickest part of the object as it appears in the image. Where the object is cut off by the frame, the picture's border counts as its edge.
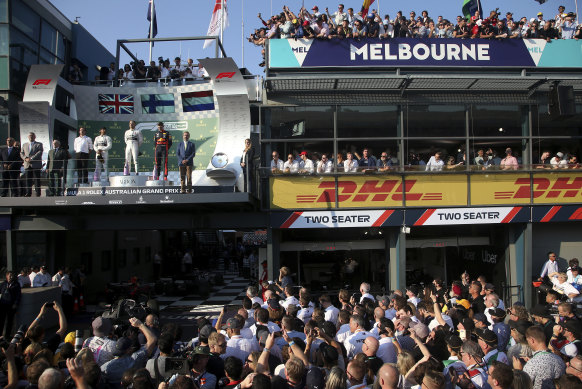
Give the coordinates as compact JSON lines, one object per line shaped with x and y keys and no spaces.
{"x":561,"y":101}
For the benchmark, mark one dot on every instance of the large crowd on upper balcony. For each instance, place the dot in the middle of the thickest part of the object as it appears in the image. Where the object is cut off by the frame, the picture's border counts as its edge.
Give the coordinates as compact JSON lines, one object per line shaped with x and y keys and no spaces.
{"x":341,"y":25}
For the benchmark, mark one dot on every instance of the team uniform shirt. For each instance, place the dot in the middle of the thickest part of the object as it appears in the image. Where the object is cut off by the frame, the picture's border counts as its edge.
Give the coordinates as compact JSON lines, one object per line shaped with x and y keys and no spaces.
{"x":40,"y":280}
{"x":291,"y":300}
{"x":240,"y":347}
{"x":367,"y":296}
{"x":258,"y":300}
{"x":331,"y":313}
{"x":478,"y":376}
{"x":305,"y":314}
{"x":353,"y":344}
{"x":415,"y":301}
{"x":387,"y":350}
{"x":272,"y":327}
{"x":503,"y":333}
{"x":343,"y":333}
{"x":102,"y":349}
{"x":281,"y":342}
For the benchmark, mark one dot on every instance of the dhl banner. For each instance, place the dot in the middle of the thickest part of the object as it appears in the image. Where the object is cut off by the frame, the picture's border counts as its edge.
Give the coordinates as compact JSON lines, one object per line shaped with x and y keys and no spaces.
{"x":548,"y":188}
{"x":368,"y":191}
{"x":438,"y":190}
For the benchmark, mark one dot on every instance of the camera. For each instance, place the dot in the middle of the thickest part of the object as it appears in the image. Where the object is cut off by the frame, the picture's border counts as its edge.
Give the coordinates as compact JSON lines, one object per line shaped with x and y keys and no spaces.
{"x":19,"y":335}
{"x":176,"y":366}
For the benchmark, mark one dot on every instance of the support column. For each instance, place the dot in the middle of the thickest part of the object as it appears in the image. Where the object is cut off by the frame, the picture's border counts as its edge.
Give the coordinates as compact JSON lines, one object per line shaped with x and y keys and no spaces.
{"x":397,"y":260}
{"x":273,"y":252}
{"x":520,"y":250}
{"x":10,"y":252}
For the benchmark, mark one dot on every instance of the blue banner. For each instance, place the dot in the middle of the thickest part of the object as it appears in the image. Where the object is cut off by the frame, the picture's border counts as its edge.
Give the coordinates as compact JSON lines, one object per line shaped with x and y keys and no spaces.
{"x":402,"y":52}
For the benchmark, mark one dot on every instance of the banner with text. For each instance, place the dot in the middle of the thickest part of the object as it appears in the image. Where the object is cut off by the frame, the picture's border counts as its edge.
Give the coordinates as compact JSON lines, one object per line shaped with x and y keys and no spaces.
{"x":460,"y":216}
{"x":338,"y":219}
{"x":399,"y":52}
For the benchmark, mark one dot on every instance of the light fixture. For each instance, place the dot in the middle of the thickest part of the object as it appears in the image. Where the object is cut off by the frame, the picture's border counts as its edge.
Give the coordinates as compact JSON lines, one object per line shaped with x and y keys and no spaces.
{"x":501,"y":129}
{"x":405,"y":230}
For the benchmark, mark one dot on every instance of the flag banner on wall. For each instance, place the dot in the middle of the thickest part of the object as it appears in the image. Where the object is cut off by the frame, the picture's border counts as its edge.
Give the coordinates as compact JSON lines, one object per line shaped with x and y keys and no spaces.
{"x":366,"y":7}
{"x":216,"y":22}
{"x":116,"y":104}
{"x":198,"y":101}
{"x":163,"y":103}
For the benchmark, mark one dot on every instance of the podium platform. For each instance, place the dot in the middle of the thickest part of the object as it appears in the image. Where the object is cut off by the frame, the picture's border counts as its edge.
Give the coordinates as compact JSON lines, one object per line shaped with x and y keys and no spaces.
{"x":125,"y":181}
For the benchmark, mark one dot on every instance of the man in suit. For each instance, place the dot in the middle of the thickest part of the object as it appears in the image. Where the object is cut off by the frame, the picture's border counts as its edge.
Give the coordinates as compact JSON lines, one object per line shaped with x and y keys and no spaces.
{"x":56,"y":166}
{"x":31,"y":154}
{"x":185,"y":153}
{"x":11,"y":163}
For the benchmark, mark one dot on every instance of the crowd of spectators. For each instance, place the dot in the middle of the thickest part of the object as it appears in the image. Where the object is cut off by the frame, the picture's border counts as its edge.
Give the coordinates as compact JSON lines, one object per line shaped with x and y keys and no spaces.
{"x":341,"y":24}
{"x":435,"y":336}
{"x":138,"y":71}
{"x":483,"y":159}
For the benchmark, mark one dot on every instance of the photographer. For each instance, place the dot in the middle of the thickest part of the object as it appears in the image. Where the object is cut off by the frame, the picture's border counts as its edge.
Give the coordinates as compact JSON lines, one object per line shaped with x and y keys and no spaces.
{"x":129,"y":354}
{"x":198,"y":360}
{"x":157,"y":366}
{"x":100,"y":344}
{"x":153,"y":72}
{"x":139,"y":70}
{"x":36,"y":331}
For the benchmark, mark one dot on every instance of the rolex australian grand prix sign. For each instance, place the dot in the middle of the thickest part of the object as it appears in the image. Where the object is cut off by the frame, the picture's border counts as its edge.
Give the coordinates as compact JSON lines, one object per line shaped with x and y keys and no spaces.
{"x":402,"y":52}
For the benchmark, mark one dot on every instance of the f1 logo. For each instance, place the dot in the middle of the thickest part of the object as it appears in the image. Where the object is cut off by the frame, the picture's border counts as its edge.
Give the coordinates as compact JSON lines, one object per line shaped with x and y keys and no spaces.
{"x":41,"y":81}
{"x":225,"y":75}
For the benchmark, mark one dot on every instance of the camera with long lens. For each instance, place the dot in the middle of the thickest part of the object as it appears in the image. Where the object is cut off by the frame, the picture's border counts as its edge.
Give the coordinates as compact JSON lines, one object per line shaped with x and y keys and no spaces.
{"x":19,"y":335}
{"x":176,"y":366}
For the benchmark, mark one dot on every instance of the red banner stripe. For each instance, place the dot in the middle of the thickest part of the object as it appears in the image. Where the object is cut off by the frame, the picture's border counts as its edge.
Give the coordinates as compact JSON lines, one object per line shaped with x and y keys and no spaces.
{"x":511,"y":215}
{"x":385,"y":215}
{"x":428,"y":213}
{"x":291,"y":219}
{"x":577,"y":215}
{"x":551,"y":213}
{"x":206,"y":93}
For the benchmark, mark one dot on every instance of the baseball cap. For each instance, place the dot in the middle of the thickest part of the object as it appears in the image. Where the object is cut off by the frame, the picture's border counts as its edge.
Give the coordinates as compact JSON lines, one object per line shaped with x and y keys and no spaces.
{"x":489,"y":286}
{"x":573,"y":326}
{"x":497,"y":312}
{"x":101,"y":327}
{"x":464,"y":303}
{"x":314,"y":379}
{"x":206,"y":331}
{"x":305,"y":23}
{"x":122,"y":345}
{"x":370,"y":16}
{"x":520,"y":325}
{"x":303,"y":153}
{"x":232,"y":323}
{"x":383,"y":300}
{"x":541,"y":311}
{"x":482,"y":318}
{"x":315,"y":7}
{"x":540,"y":14}
{"x":294,"y":21}
{"x":560,"y":154}
{"x":457,"y":290}
{"x":420,"y":329}
{"x":70,"y":338}
{"x":274,"y":304}
{"x":487,"y":336}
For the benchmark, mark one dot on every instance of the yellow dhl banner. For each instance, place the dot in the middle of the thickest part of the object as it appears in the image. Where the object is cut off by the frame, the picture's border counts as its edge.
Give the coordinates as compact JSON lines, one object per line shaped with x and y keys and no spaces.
{"x":496,"y":189}
{"x":368,"y":191}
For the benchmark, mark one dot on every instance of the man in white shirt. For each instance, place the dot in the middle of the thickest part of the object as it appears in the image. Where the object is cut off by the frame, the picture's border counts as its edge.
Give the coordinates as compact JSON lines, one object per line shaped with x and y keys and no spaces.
{"x":237,"y":345}
{"x":339,"y":16}
{"x":83,"y":146}
{"x":325,"y":165}
{"x":290,"y":299}
{"x":435,"y":163}
{"x":365,"y":291}
{"x":102,"y":145}
{"x":291,"y":165}
{"x":262,"y":319}
{"x":276,"y":163}
{"x":306,"y":164}
{"x":133,"y":140}
{"x":331,"y":313}
{"x":387,"y":350}
{"x":551,"y":266}
{"x":42,"y":278}
{"x":350,"y":164}
{"x":354,"y":342}
{"x":252,"y":293}
{"x":412,"y":292}
{"x":33,"y":273}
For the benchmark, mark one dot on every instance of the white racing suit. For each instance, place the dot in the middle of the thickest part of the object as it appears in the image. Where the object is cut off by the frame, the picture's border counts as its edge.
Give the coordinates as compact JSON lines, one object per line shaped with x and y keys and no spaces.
{"x":102,"y":144}
{"x":133,"y":140}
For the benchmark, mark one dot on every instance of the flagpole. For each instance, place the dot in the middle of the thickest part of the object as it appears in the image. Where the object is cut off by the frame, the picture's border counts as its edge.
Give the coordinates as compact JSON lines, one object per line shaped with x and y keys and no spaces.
{"x":221,"y":22}
{"x":151,"y":27}
{"x":242,"y":35}
{"x":379,"y":9}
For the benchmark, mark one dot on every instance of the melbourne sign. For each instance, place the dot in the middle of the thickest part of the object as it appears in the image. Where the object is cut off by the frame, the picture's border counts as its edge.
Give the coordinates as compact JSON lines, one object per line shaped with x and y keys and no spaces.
{"x":304,"y":53}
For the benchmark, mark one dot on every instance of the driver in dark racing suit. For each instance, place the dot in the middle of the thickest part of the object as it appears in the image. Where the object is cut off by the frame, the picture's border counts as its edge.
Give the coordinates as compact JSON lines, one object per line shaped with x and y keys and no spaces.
{"x":162,"y":142}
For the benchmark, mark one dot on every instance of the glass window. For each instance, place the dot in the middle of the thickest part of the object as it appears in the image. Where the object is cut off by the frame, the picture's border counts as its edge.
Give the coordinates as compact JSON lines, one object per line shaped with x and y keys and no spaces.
{"x":48,"y":37}
{"x":434,"y":121}
{"x":4,"y":39}
{"x":18,"y":74}
{"x":498,"y":120}
{"x":61,"y":46}
{"x":419,"y":152}
{"x":302,"y":122}
{"x":544,"y":150}
{"x":546,"y":125}
{"x":494,"y":152}
{"x":46,"y":57}
{"x":22,"y":48}
{"x":4,"y":73}
{"x":375,"y":151}
{"x":25,"y":19}
{"x":367,"y":121}
{"x":314,"y":150}
{"x":3,"y":11}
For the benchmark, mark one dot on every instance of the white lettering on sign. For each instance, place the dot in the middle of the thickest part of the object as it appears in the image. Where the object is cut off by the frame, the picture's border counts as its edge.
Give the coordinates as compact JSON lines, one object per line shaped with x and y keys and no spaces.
{"x":340,"y":219}
{"x":446,"y":216}
{"x":421,"y":52}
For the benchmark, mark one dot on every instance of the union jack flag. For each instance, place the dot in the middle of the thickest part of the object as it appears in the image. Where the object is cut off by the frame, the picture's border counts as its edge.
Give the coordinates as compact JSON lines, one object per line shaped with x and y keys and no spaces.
{"x":116,"y":104}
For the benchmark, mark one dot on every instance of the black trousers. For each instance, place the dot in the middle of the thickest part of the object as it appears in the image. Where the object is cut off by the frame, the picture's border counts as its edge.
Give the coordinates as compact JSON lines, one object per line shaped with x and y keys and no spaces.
{"x":55,"y":187}
{"x":162,"y":160}
{"x":10,"y":179}
{"x":6,"y":316}
{"x":83,"y":168}
{"x":32,"y":178}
